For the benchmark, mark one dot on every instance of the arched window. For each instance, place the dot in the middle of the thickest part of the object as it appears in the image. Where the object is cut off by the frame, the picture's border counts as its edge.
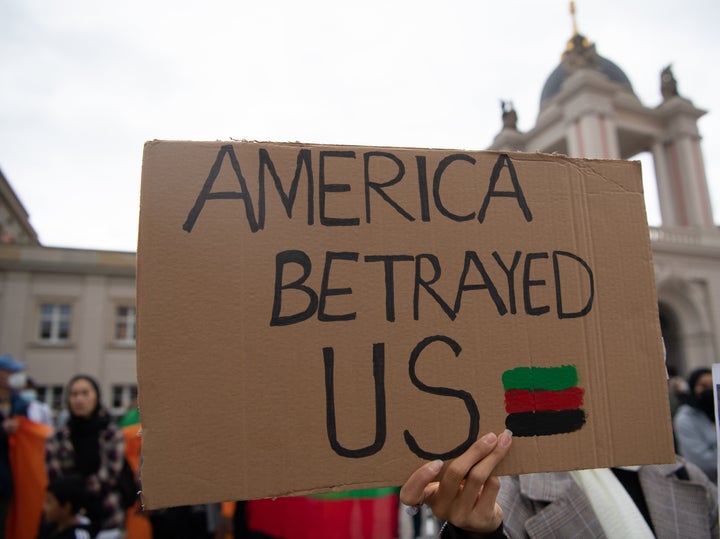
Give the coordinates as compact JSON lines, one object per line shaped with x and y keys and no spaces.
{"x":671,"y":332}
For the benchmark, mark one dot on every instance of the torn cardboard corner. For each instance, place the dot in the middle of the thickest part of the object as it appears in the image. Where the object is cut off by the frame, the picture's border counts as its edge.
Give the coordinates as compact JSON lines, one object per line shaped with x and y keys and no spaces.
{"x":315,"y":318}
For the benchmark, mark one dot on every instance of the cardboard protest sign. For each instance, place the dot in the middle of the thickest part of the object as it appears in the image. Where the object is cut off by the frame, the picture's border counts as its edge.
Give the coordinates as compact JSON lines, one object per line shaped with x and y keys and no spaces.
{"x":316,"y":318}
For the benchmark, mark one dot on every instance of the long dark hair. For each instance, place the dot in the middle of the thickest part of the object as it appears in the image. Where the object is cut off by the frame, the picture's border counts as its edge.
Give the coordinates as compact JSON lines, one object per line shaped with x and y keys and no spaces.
{"x":694,"y":376}
{"x":85,"y":431}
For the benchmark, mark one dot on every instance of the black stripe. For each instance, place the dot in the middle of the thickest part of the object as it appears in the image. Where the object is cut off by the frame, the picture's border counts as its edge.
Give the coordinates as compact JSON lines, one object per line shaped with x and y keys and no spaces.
{"x":545,"y":423}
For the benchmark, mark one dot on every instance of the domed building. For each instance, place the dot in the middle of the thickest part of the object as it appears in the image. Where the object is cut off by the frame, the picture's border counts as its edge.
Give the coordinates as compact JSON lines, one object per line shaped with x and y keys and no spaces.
{"x":588,"y":109}
{"x":581,"y":53}
{"x":73,"y":310}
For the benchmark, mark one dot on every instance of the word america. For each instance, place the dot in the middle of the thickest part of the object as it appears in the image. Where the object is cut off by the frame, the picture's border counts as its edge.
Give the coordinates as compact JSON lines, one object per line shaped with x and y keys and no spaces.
{"x":428,"y":189}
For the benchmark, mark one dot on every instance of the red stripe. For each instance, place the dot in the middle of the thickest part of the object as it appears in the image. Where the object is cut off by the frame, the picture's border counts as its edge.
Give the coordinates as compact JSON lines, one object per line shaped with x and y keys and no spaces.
{"x":522,"y":400}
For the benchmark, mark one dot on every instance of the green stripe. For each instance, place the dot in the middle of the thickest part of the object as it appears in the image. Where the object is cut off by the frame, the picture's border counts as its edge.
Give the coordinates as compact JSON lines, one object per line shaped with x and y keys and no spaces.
{"x":354,"y":494}
{"x":548,"y":378}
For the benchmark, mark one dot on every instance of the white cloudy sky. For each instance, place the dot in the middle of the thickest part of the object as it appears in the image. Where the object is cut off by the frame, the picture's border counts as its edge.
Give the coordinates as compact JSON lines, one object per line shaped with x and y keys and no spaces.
{"x":83,"y":83}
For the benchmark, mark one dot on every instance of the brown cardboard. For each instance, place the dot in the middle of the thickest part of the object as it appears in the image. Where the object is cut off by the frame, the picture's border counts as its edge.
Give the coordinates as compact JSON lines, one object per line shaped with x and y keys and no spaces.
{"x":233,"y":393}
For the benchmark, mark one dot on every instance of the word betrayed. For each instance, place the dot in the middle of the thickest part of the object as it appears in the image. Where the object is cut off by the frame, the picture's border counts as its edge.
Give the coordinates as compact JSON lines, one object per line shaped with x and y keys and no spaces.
{"x":541,"y":401}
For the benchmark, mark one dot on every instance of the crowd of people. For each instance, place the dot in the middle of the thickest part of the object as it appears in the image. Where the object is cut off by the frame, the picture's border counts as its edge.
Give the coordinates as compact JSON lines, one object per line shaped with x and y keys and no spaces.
{"x":74,"y":475}
{"x":76,"y":478}
{"x":67,"y":478}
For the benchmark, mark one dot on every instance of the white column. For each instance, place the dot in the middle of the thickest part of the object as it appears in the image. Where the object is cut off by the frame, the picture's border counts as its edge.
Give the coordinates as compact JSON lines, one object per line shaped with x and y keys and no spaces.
{"x":692,"y":170}
{"x":16,"y":314}
{"x":669,"y":210}
{"x":684,"y":170}
{"x":593,"y":136}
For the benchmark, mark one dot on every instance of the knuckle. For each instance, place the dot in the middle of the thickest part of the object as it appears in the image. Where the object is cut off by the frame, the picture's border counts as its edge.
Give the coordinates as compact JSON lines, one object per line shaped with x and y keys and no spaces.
{"x":407,"y":496}
{"x":479,"y":474}
{"x":455,"y":472}
{"x":439,"y":510}
{"x":493,"y":482}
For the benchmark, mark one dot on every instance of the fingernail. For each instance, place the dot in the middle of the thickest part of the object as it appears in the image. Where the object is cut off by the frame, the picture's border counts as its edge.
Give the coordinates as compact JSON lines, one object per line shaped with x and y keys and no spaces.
{"x":435,"y":466}
{"x":412,"y":510}
{"x":505,"y":438}
{"x":489,"y":438}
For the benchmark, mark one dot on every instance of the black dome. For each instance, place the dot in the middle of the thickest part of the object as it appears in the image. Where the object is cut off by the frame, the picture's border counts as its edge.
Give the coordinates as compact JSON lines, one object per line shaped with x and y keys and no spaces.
{"x":581,"y":54}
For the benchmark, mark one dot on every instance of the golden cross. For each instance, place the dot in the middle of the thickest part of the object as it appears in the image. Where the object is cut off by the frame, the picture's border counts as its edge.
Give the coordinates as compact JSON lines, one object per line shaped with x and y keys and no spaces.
{"x":572,"y":14}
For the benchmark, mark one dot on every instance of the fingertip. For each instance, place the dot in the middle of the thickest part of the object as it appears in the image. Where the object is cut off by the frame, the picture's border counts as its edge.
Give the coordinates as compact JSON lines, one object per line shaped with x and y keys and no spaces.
{"x":435,"y":466}
{"x":505,"y":439}
{"x":489,"y":439}
{"x":412,"y":492}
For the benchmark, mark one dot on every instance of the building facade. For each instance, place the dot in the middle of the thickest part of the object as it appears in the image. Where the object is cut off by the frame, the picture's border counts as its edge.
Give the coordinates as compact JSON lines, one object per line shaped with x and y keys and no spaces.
{"x":588,"y":109}
{"x":65,"y":311}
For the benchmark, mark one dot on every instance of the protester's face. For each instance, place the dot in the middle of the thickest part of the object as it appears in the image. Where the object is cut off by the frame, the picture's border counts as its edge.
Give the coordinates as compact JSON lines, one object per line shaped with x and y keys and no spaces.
{"x":703,"y":383}
{"x":82,"y":398}
{"x":52,"y":508}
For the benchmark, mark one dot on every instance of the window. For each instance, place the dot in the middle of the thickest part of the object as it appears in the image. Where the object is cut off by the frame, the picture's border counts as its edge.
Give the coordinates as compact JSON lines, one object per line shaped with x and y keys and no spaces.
{"x":123,"y":396}
{"x":125,"y":325}
{"x":54,"y":323}
{"x":51,"y":395}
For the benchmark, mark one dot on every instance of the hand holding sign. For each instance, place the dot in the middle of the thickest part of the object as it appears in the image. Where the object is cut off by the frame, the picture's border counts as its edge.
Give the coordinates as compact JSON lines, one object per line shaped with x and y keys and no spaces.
{"x":462,"y":491}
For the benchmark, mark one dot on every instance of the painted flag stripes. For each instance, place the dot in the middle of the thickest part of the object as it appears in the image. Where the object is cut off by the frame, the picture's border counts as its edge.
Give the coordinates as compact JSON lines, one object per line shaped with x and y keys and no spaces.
{"x":541,"y":401}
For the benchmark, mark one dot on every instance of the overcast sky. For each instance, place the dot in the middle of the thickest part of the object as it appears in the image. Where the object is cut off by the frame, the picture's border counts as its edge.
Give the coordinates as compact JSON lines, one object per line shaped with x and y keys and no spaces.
{"x":84,"y":83}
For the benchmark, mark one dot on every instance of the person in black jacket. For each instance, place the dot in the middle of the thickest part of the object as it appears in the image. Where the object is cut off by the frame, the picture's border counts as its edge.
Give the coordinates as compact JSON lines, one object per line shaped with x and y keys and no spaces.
{"x":11,"y":405}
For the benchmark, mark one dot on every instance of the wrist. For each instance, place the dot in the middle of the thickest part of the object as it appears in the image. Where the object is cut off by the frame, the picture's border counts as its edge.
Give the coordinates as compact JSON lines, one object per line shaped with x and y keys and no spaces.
{"x":450,"y":531}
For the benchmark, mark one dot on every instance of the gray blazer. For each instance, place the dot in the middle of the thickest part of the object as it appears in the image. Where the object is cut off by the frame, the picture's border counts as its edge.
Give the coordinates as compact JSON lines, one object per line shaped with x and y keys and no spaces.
{"x":552,"y":504}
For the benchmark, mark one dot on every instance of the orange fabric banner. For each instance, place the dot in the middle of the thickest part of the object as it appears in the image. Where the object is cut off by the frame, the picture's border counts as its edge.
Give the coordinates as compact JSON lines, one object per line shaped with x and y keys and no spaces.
{"x":133,"y":444}
{"x":137,"y":525}
{"x":27,"y":462}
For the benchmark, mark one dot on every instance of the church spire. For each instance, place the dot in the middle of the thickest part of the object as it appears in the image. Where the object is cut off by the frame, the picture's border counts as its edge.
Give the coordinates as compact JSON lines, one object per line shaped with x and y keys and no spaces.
{"x":579,"y":52}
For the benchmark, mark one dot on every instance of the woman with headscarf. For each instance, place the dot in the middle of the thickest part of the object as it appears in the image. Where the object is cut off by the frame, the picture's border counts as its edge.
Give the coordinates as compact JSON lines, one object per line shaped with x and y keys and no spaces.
{"x":91,"y":446}
{"x":694,"y":424}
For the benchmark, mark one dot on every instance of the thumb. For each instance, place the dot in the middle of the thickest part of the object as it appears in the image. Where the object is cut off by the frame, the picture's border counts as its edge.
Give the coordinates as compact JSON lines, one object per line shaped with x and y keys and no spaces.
{"x":413,"y":491}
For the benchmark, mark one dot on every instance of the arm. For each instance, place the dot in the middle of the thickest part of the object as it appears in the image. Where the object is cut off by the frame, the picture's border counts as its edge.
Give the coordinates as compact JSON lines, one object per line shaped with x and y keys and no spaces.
{"x":18,"y":407}
{"x":53,"y":460}
{"x":463,"y":491}
{"x":696,"y":475}
{"x":10,"y":425}
{"x":693,"y":443}
{"x":112,"y":456}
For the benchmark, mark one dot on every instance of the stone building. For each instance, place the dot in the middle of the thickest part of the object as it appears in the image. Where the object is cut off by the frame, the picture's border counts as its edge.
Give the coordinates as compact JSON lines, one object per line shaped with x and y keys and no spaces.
{"x":588,"y":109}
{"x":65,"y":311}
